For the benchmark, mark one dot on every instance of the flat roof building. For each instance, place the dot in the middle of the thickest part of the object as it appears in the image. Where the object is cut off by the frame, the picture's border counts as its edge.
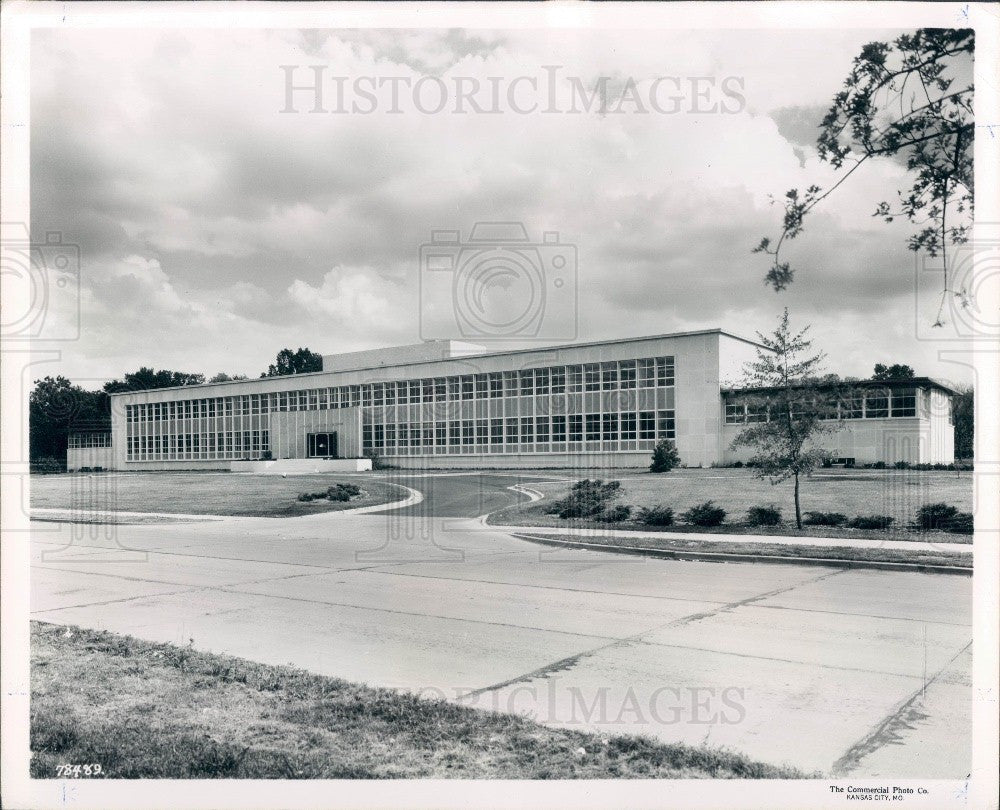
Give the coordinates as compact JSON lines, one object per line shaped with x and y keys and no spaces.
{"x":449,"y":404}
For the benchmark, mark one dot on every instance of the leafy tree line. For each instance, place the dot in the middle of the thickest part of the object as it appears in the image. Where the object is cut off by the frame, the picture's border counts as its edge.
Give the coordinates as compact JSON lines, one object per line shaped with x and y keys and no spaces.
{"x":57,"y":406}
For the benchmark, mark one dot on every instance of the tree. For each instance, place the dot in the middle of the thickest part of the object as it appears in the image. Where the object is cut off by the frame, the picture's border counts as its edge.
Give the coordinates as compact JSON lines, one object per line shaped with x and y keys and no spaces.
{"x":795,"y":407}
{"x":146,"y":378}
{"x":665,"y":457}
{"x":302,"y":361}
{"x":55,"y":407}
{"x":963,"y":414}
{"x":223,"y":377}
{"x":910,"y":100}
{"x":893,"y":372}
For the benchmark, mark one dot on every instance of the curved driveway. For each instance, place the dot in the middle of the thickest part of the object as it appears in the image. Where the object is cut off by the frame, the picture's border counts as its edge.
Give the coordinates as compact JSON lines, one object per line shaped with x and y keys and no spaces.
{"x":865,"y":673}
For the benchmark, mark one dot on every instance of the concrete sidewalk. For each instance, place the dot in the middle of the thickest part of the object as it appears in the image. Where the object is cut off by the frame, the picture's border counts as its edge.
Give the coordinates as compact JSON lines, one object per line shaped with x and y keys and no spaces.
{"x":749,"y":539}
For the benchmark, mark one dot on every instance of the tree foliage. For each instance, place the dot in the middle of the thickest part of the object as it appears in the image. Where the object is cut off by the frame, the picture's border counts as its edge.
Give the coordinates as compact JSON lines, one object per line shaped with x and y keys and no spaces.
{"x":797,"y":406}
{"x":911,"y":100}
{"x":963,"y":413}
{"x":301,"y":361}
{"x":146,"y":378}
{"x":893,"y":372}
{"x":56,"y":407}
{"x":665,"y":457}
{"x":223,"y":377}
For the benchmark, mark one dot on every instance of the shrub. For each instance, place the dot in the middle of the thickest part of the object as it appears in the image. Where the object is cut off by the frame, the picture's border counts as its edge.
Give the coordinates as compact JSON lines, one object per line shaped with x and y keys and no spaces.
{"x":824,"y":519}
{"x":616,"y":514}
{"x":665,"y":457}
{"x":935,"y":515}
{"x":902,"y":465}
{"x":871,"y":522}
{"x":658,"y":515}
{"x":705,"y":514}
{"x":878,"y":465}
{"x":266,"y":456}
{"x":737,"y":464}
{"x":47,"y":465}
{"x":305,"y":496}
{"x":769,"y":515}
{"x":339,"y":492}
{"x":961,"y":523}
{"x":587,"y":499}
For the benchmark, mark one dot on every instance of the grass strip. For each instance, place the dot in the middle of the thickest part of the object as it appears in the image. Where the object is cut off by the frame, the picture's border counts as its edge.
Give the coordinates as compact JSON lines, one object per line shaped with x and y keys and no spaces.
{"x":143,"y":710}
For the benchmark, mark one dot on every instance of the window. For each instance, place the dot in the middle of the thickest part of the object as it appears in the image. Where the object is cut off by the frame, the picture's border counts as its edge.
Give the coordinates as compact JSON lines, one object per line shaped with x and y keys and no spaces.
{"x":414,"y":391}
{"x":575,"y":379}
{"x":876,"y":405}
{"x":665,"y":425}
{"x":416,"y":434}
{"x":468,"y":389}
{"x":390,"y":436}
{"x":626,"y":375}
{"x":593,"y":423}
{"x":527,"y":382}
{"x":664,"y":371}
{"x":427,"y":440}
{"x":628,"y":424}
{"x":454,"y":433}
{"x":390,"y":393}
{"x":496,"y":385}
{"x":541,"y":381}
{"x":542,"y":429}
{"x":378,"y":394}
{"x":609,"y":427}
{"x":592,"y":377}
{"x":757,"y":413}
{"x":576,"y":427}
{"x":852,"y":405}
{"x":468,"y":432}
{"x":496,"y":431}
{"x":482,"y":431}
{"x":402,"y":393}
{"x":646,"y":373}
{"x":558,"y":380}
{"x":510,"y":383}
{"x":440,"y":433}
{"x":482,"y":386}
{"x":440,"y":389}
{"x":609,"y":376}
{"x":734,"y":413}
{"x":647,"y":425}
{"x":558,"y":428}
{"x":454,"y":389}
{"x":527,"y":430}
{"x":904,"y":402}
{"x":511,"y":430}
{"x":427,"y":389}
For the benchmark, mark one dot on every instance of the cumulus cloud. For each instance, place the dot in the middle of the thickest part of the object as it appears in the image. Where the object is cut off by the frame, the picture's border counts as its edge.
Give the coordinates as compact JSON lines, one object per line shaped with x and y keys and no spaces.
{"x":216,"y":229}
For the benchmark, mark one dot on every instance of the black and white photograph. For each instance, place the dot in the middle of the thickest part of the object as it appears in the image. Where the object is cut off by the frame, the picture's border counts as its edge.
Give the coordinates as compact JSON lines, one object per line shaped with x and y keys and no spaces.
{"x":500,"y":404}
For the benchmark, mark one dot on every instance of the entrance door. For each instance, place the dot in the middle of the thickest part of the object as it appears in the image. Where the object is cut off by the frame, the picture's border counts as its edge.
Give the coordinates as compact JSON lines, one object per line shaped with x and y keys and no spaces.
{"x":321,"y":445}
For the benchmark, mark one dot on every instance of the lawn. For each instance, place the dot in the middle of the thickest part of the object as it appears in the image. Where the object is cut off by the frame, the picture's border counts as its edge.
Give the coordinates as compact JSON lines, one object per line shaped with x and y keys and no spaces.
{"x":144,"y":710}
{"x":897,"y":493}
{"x":742,"y":548}
{"x":202,"y":493}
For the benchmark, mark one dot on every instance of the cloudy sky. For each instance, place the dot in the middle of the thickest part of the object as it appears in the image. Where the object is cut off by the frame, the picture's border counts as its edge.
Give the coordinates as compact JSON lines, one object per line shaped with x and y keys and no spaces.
{"x":215,"y":229}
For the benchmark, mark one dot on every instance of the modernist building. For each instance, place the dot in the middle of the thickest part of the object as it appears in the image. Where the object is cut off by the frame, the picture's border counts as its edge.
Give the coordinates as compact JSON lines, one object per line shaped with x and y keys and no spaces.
{"x":448,"y":404}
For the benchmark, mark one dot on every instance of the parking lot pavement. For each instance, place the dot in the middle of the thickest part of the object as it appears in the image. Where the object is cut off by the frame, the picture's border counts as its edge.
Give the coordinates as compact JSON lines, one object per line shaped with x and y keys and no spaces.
{"x":861,"y":673}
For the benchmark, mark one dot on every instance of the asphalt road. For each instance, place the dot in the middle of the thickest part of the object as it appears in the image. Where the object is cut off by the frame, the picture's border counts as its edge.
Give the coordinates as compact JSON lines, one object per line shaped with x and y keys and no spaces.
{"x":848,"y":672}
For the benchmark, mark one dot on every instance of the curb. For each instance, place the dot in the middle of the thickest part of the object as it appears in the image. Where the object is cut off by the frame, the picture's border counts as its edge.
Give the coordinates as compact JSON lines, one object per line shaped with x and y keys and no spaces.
{"x":714,"y":556}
